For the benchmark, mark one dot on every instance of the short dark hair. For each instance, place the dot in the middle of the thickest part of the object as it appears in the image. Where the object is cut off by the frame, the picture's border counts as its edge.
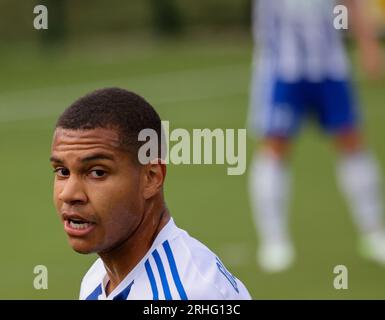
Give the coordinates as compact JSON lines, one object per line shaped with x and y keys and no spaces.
{"x":113,"y":108}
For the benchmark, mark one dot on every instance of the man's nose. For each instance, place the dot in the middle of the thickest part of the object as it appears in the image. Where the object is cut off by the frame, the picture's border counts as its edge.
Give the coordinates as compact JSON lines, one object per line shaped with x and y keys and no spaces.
{"x":73,"y":191}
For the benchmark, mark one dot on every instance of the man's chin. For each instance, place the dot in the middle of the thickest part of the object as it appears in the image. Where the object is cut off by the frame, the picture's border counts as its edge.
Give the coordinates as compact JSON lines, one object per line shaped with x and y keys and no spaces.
{"x":81,"y":246}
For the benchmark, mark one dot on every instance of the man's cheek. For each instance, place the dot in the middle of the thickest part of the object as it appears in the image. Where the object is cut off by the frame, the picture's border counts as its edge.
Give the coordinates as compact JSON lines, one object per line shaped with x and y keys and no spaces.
{"x":56,"y":199}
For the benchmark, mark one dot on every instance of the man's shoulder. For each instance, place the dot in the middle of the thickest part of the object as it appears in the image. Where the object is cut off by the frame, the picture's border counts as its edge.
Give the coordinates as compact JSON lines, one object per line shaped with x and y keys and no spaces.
{"x":201,"y":272}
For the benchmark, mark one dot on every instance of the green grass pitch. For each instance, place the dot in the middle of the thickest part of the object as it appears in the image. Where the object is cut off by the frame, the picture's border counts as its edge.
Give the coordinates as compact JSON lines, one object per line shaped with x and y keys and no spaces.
{"x":193,"y":84}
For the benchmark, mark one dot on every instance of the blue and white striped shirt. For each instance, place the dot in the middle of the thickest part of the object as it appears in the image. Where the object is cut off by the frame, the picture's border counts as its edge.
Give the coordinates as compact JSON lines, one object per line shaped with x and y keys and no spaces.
{"x":297,"y":39}
{"x":177,"y":267}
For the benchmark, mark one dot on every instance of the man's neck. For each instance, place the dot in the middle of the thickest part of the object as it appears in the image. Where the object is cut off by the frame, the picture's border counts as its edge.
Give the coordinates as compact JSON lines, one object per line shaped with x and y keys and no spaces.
{"x":120,"y":261}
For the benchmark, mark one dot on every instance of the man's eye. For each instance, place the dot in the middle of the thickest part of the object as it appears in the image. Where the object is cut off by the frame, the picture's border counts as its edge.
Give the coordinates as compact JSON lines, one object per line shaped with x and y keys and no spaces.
{"x":62,"y":172}
{"x":97,"y":173}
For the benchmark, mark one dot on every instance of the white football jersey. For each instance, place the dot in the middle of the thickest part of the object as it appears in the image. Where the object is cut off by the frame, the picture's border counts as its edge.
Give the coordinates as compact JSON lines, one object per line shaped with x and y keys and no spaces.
{"x":177,"y":267}
{"x":297,"y":39}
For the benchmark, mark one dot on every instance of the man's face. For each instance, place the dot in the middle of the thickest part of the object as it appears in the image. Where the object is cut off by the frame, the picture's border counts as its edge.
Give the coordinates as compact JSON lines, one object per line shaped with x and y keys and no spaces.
{"x":97,"y":189}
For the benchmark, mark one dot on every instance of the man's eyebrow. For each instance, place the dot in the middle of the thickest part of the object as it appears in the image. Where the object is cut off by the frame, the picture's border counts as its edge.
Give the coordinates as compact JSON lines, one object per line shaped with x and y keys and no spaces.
{"x":98,"y":156}
{"x":55,"y":159}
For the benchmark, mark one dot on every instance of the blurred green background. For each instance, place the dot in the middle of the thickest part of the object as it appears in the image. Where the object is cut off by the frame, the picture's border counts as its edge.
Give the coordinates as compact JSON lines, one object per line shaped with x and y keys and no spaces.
{"x":196,"y":73}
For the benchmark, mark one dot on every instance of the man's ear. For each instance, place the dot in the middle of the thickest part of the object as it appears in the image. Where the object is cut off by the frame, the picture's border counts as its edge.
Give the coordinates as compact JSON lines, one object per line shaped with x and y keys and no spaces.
{"x":155,"y":173}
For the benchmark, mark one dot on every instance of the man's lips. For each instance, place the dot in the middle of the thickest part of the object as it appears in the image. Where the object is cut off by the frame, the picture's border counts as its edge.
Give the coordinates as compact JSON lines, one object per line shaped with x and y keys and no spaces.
{"x":75,"y":225}
{"x":76,"y":217}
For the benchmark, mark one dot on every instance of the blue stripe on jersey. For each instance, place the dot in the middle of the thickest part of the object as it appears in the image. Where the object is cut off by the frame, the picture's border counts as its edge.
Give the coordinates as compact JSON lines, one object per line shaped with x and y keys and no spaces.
{"x":151,"y":277}
{"x":227,"y":274}
{"x":159,"y":264}
{"x":124,"y":293}
{"x":96,"y":293}
{"x":174,"y":270}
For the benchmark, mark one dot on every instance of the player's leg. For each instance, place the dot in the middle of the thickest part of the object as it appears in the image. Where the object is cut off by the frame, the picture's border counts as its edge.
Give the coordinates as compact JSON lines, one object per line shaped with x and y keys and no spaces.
{"x":359,"y":179}
{"x":268,"y":188}
{"x":277,"y":108}
{"x":357,"y":170}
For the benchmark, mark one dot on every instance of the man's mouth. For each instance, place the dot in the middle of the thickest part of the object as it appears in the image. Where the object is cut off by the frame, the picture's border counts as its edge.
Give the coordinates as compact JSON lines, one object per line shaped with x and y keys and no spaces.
{"x":77,"y":226}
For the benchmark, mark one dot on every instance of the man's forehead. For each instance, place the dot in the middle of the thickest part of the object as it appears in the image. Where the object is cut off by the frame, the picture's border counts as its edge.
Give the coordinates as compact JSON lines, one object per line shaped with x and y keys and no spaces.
{"x":108,"y":137}
{"x":69,"y":140}
{"x":75,"y":146}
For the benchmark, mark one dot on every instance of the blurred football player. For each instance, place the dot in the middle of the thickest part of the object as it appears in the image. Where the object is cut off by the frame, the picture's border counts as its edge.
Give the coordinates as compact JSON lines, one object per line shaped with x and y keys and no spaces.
{"x":302,"y":70}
